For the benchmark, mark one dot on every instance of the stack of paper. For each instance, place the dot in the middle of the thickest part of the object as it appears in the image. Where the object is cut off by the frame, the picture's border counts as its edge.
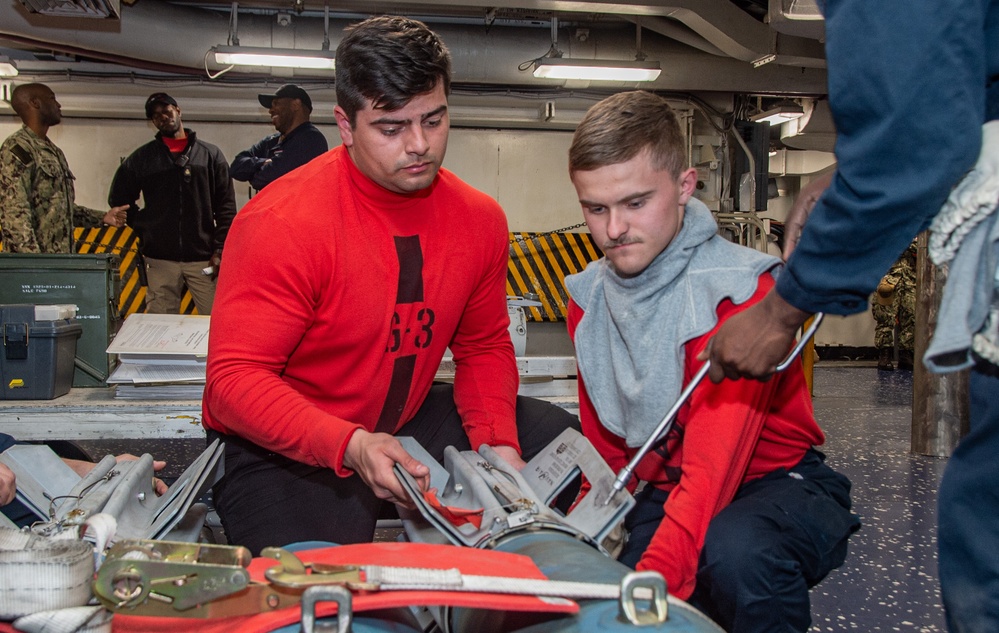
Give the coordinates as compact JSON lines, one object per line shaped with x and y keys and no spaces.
{"x":161,"y":356}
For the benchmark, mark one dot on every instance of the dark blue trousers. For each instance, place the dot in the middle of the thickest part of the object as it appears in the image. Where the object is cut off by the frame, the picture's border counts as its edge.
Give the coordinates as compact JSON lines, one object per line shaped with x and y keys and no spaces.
{"x":969,"y":515}
{"x":778,"y":538}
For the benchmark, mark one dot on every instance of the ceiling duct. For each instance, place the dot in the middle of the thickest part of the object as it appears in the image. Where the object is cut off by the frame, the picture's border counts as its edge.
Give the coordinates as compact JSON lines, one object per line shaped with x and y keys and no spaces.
{"x":800,"y":18}
{"x":75,"y":8}
{"x":481,"y":55}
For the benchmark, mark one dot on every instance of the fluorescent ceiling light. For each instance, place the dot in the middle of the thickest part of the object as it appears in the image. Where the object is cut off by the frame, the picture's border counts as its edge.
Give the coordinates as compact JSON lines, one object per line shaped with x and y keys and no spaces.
{"x":7,"y":68}
{"x":274,"y":57}
{"x":781,"y":114}
{"x":596,"y":69}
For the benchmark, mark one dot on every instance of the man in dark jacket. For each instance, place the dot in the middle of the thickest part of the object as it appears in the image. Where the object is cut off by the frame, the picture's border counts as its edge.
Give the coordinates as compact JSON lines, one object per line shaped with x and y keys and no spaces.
{"x":190,"y":204}
{"x":296,"y":142}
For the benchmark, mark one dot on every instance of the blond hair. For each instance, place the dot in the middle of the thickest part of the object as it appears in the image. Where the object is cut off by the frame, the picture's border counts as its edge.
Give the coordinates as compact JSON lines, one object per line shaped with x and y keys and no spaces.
{"x":621,"y":126}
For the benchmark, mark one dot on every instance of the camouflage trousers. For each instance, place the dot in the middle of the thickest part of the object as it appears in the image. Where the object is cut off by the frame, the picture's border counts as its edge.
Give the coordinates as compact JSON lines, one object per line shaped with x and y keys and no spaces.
{"x":895,"y":304}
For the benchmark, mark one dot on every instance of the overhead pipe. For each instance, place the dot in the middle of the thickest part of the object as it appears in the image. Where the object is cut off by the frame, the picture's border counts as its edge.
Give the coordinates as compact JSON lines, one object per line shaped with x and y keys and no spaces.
{"x":481,"y":55}
{"x":132,"y":62}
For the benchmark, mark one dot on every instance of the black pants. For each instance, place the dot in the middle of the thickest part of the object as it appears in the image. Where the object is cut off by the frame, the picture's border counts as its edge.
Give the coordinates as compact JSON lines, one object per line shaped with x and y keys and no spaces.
{"x":778,"y":538}
{"x":265,"y":499}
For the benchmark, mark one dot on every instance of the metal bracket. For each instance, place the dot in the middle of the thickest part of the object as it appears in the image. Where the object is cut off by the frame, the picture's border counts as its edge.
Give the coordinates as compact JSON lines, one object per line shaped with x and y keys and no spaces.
{"x":641,"y":583}
{"x":327,"y":593}
{"x":187,"y":580}
{"x":510,"y":499}
{"x":125,"y":491}
{"x":292,"y":573}
{"x":179,"y":576}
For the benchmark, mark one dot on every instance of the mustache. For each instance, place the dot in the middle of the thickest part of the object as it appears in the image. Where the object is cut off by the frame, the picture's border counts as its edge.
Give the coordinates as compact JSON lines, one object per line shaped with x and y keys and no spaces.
{"x":621,"y":241}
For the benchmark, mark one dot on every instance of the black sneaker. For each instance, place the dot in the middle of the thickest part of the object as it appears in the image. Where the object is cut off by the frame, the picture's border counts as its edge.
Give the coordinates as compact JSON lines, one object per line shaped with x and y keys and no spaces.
{"x":884,"y":359}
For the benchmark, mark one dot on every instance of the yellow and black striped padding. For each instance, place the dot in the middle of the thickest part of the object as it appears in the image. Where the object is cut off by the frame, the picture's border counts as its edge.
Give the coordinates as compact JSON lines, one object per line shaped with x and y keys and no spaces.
{"x":125,"y":244}
{"x":539,"y":263}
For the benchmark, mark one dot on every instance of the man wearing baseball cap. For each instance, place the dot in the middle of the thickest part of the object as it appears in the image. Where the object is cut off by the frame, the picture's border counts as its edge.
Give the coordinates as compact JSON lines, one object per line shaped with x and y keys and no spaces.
{"x":189,"y":205}
{"x":296,"y":142}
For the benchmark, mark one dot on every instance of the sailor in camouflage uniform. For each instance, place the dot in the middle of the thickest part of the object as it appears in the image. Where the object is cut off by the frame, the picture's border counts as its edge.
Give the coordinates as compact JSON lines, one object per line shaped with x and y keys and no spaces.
{"x":38,"y":209}
{"x":895,"y":301}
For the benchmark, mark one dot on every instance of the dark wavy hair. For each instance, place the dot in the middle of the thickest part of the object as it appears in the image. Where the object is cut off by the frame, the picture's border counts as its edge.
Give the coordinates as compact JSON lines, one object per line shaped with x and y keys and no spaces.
{"x":388,"y":60}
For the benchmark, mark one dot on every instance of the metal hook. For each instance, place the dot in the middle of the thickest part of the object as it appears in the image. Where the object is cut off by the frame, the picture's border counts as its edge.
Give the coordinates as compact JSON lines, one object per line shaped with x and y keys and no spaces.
{"x":631,"y":586}
{"x":330,"y":593}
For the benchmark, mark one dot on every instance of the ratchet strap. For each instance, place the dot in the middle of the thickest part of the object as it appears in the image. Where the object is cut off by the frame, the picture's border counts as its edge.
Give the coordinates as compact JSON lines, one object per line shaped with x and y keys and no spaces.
{"x":402,"y":578}
{"x":427,"y":558}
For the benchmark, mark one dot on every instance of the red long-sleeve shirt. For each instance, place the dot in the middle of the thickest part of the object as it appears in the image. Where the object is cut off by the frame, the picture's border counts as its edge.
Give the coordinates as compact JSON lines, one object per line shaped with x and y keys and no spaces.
{"x":336,"y":301}
{"x":732,"y":433}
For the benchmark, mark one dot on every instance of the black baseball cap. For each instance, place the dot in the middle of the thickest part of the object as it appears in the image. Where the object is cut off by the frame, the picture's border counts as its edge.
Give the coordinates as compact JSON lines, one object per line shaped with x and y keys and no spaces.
{"x":290,"y":91}
{"x":158,"y":97}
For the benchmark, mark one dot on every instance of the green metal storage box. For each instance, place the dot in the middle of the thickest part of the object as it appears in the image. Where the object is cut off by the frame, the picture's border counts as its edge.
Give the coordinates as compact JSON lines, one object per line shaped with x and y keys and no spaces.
{"x":91,"y":281}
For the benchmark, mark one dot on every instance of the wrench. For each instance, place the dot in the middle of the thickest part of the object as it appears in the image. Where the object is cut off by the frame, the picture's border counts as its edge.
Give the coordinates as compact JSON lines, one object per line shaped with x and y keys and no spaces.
{"x":663,"y":428}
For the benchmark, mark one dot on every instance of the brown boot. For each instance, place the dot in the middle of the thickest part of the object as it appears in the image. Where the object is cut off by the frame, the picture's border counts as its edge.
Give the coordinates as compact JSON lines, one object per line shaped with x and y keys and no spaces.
{"x":905,"y":359}
{"x":884,"y":359}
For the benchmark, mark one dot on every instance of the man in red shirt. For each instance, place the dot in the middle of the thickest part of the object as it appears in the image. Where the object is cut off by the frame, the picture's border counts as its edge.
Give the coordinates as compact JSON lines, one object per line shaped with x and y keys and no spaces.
{"x":345,"y":282}
{"x":738,"y":511}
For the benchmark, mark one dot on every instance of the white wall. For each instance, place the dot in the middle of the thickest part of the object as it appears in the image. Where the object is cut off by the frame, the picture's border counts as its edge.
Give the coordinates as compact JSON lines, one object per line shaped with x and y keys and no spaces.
{"x":856,"y":330}
{"x":524,"y":171}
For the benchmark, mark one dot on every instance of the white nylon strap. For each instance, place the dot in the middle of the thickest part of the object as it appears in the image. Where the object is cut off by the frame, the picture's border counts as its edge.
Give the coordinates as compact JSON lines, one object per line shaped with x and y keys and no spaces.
{"x":38,"y":574}
{"x":76,"y":620}
{"x":100,"y":531}
{"x":401,"y":578}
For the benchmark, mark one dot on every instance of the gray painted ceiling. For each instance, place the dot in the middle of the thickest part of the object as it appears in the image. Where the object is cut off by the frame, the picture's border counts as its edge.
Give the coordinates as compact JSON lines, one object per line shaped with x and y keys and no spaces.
{"x":710,"y":49}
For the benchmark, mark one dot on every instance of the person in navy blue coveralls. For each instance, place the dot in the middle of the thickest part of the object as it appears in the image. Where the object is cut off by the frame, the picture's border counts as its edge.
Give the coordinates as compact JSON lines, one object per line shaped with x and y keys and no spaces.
{"x":914,"y":90}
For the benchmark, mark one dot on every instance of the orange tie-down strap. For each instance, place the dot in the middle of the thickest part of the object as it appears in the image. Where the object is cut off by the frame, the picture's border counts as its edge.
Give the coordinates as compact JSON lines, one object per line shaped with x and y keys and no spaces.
{"x":465,"y":559}
{"x":455,"y":515}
